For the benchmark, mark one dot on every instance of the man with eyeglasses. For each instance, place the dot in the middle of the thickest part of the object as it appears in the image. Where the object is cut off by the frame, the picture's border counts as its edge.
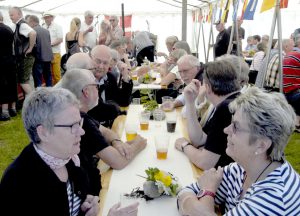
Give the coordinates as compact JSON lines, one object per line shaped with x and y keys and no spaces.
{"x":207,"y":145}
{"x":117,"y":32}
{"x":98,"y":142}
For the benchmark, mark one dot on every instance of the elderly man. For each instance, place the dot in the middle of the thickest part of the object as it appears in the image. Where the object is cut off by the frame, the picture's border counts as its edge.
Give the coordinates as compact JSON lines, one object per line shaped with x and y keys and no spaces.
{"x":116,"y":30}
{"x":56,"y":35}
{"x":220,"y":86}
{"x":272,"y":81}
{"x":222,"y":40}
{"x":98,"y":142}
{"x":42,"y":52}
{"x":105,"y":113}
{"x":24,"y":41}
{"x":8,"y":82}
{"x":189,"y":68}
{"x":89,"y":32}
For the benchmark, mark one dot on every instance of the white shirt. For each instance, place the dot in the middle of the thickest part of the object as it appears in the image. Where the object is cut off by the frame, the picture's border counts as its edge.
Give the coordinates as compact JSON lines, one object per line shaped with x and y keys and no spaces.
{"x":175,"y":71}
{"x":90,"y":38}
{"x":24,"y":29}
{"x":55,"y":33}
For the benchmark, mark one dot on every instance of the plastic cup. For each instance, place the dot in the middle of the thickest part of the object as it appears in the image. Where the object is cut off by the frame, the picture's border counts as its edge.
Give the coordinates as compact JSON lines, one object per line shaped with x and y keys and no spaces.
{"x":136,"y":101}
{"x":161,"y":146}
{"x":144,"y":120}
{"x":131,"y":131}
{"x":167,"y":103}
{"x":171,"y":119}
{"x":158,"y":115}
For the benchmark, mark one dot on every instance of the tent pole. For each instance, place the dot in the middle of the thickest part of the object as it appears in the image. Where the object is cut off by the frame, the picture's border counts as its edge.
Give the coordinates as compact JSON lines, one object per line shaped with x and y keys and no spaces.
{"x":280,"y":45}
{"x":262,"y":75}
{"x":184,"y":20}
{"x":31,"y":3}
{"x":123,"y":19}
{"x":231,"y":38}
{"x":204,"y":47}
{"x":209,"y":40}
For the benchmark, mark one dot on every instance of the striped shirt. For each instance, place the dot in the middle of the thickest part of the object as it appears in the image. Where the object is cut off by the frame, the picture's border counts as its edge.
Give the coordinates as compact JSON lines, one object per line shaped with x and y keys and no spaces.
{"x":74,"y":200}
{"x":291,"y":72}
{"x":278,"y":194}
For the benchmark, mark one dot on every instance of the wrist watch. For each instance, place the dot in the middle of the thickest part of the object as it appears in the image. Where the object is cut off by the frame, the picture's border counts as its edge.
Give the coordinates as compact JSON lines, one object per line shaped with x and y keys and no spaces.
{"x":185,"y":144}
{"x":204,"y":192}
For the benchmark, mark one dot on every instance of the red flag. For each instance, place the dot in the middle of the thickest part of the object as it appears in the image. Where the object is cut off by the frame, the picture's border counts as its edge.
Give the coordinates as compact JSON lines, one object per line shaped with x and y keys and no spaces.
{"x":284,"y":3}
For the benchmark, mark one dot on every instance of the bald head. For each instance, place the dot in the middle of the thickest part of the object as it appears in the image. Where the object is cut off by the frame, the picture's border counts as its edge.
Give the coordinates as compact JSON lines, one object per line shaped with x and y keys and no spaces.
{"x":80,"y":61}
{"x":101,"y":57}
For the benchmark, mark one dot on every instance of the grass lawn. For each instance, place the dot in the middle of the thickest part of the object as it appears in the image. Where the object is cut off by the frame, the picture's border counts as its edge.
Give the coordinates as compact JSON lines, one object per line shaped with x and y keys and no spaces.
{"x":13,"y":138}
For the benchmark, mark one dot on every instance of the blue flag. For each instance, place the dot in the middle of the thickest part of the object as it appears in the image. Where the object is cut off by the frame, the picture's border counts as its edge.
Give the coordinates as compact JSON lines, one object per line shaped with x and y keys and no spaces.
{"x":250,"y":10}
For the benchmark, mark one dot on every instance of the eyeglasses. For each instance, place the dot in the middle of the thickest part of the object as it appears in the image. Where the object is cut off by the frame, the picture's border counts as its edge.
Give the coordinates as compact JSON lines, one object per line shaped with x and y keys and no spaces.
{"x":111,"y":20}
{"x":99,"y":61}
{"x":74,"y":127}
{"x":185,"y":70}
{"x":236,"y":128}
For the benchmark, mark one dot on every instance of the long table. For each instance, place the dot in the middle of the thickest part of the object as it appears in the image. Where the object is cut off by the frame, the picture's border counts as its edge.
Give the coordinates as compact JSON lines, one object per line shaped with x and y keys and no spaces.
{"x":123,"y":181}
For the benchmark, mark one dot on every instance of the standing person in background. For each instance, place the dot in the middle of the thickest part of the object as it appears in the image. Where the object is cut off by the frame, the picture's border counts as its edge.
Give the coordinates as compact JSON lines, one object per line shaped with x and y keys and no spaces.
{"x":144,"y":46}
{"x":105,"y":36}
{"x":74,"y":38}
{"x":42,"y":52}
{"x":89,"y":31}
{"x":8,"y":82}
{"x":24,"y":41}
{"x":222,"y":40}
{"x":241,"y":35}
{"x":117,"y":32}
{"x":56,"y":35}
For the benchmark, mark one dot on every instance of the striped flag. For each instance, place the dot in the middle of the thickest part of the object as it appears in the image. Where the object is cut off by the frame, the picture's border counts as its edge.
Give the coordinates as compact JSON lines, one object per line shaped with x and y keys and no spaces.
{"x":268,"y":4}
{"x":226,"y":11}
{"x":236,"y":7}
{"x":250,"y":10}
{"x":244,"y":8}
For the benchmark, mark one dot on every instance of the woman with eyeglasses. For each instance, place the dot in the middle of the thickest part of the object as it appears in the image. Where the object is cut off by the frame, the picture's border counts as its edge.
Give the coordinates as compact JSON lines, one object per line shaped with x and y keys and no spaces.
{"x":46,"y":178}
{"x":260,"y":181}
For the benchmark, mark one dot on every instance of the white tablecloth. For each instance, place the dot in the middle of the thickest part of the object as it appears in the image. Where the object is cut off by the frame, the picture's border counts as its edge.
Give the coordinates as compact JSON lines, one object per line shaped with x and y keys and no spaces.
{"x":123,"y":181}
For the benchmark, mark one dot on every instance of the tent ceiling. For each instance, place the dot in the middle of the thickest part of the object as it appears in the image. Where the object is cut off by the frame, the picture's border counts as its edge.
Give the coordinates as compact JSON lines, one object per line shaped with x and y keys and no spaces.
{"x":104,"y":6}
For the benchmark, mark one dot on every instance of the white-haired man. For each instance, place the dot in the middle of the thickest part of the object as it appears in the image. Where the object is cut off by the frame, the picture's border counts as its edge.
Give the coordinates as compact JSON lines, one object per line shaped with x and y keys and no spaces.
{"x":98,"y":142}
{"x":89,"y":31}
{"x":116,"y":30}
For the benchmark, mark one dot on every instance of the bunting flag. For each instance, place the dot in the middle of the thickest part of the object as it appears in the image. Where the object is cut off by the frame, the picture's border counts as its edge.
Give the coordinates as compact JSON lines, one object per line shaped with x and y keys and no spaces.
{"x":226,"y":11}
{"x":250,"y":10}
{"x":197,"y":16}
{"x":235,"y":10}
{"x":268,"y":4}
{"x":244,"y":8}
{"x":210,"y":13}
{"x":221,"y":9}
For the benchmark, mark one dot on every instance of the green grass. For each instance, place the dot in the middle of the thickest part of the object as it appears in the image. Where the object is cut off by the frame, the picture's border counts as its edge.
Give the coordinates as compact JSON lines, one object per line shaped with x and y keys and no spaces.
{"x":13,"y":139}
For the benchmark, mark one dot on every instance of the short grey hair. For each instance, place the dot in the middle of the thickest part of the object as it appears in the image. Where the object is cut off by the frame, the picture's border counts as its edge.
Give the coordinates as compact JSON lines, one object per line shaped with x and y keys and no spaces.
{"x":240,"y":65}
{"x":79,"y":60}
{"x":34,"y":18}
{"x":88,"y":13}
{"x":114,"y":55}
{"x":268,"y":115}
{"x":75,"y":80}
{"x":41,"y":107}
{"x":222,"y":77}
{"x":116,"y":43}
{"x":115,"y":18}
{"x":171,"y":40}
{"x":18,"y":9}
{"x":183,"y":45}
{"x":190,"y":60}
{"x":177,"y":54}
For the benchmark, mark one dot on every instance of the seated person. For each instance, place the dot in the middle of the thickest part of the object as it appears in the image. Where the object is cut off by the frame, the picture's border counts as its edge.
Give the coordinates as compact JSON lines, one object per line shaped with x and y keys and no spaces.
{"x":170,"y":77}
{"x":47,"y":176}
{"x":98,"y":142}
{"x":256,"y":62}
{"x":260,"y":181}
{"x":208,"y":144}
{"x":170,"y":41}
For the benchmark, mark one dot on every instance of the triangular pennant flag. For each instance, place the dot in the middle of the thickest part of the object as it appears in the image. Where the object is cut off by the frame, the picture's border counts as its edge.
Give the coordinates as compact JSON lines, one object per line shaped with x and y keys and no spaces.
{"x":226,"y":11}
{"x":268,"y":4}
{"x":250,"y":10}
{"x":244,"y":8}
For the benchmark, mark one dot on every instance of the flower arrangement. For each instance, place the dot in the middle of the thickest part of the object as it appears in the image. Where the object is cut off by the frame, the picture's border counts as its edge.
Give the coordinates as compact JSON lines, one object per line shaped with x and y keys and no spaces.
{"x":159,"y":182}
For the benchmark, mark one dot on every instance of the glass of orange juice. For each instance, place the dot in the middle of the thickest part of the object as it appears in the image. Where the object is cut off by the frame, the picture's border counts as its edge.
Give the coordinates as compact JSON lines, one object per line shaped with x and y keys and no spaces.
{"x":131,"y":131}
{"x":161,"y":146}
{"x":144,"y":120}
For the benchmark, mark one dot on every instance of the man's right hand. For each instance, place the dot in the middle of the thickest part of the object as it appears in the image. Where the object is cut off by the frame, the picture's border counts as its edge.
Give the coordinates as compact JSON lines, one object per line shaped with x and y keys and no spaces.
{"x":130,"y":210}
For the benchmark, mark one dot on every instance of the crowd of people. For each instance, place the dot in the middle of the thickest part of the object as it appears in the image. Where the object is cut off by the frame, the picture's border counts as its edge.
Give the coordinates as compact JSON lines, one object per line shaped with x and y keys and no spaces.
{"x":237,"y":132}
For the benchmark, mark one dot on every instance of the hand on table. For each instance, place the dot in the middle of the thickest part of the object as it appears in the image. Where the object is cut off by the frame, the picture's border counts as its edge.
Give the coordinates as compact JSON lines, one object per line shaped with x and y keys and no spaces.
{"x":124,"y":149}
{"x":211,"y":179}
{"x":179,"y":142}
{"x":139,"y":140}
{"x":130,"y":210}
{"x":90,"y":206}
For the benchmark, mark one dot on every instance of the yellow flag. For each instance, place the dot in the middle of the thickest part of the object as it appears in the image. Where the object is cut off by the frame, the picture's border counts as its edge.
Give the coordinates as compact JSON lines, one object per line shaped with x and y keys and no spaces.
{"x":267,"y":5}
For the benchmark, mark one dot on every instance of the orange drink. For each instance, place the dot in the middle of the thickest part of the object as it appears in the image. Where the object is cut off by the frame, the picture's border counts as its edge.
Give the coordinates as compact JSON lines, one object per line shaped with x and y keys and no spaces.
{"x":134,"y":77}
{"x":130,"y":136}
{"x":144,"y":125}
{"x":144,"y":120}
{"x":162,"y":154}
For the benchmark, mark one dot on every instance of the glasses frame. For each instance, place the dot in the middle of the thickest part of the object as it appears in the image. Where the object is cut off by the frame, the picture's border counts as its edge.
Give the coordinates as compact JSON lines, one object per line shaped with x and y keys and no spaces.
{"x":74,"y":127}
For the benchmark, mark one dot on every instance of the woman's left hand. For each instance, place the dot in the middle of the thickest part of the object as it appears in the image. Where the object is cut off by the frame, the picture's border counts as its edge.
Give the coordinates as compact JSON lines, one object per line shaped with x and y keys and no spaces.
{"x":90,"y":206}
{"x":211,"y":179}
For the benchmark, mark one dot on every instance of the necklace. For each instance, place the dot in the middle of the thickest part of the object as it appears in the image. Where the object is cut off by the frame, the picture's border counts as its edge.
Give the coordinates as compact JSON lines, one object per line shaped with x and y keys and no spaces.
{"x":263,"y":171}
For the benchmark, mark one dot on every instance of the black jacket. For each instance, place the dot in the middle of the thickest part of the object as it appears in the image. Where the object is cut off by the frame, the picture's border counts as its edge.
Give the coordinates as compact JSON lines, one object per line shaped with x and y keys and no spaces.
{"x":30,"y":187}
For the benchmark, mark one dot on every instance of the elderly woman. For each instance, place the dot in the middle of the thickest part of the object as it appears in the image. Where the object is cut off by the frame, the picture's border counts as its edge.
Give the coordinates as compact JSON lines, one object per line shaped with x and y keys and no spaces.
{"x":261,"y":181}
{"x":46,"y":177}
